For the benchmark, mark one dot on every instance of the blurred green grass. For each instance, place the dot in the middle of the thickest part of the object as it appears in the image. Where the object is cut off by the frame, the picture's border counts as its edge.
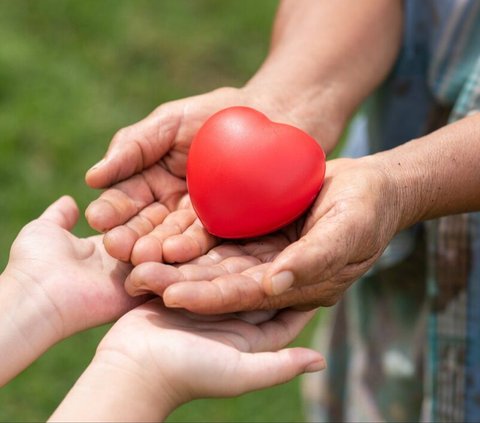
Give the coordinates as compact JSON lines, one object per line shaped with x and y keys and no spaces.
{"x":71,"y":74}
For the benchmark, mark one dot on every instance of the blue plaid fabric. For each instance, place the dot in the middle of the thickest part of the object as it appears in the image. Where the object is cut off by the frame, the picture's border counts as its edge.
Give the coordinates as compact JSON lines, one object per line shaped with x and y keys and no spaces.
{"x":405,"y":341}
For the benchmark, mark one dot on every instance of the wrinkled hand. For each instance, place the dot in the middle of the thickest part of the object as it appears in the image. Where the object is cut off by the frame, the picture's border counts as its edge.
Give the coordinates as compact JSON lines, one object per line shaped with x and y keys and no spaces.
{"x":182,"y":356}
{"x":73,"y":283}
{"x":146,"y":209}
{"x":228,"y":278}
{"x":309,"y":265}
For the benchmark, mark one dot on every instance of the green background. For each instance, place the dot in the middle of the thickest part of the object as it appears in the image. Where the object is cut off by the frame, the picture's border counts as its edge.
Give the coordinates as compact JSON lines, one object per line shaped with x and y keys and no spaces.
{"x":71,"y":74}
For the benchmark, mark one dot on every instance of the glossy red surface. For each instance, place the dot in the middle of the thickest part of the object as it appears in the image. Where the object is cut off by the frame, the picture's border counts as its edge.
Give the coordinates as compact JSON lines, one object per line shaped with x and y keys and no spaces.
{"x":248,"y":176}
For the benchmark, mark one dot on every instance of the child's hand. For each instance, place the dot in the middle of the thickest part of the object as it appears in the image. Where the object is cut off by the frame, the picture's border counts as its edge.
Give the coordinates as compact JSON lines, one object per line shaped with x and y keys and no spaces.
{"x":54,"y":285}
{"x":154,"y":359}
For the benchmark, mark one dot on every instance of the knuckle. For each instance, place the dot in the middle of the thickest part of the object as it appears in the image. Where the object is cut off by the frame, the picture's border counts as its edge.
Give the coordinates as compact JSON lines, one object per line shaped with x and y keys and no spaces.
{"x":323,"y":294}
{"x":329,"y":301}
{"x":161,"y":109}
{"x":121,"y":134}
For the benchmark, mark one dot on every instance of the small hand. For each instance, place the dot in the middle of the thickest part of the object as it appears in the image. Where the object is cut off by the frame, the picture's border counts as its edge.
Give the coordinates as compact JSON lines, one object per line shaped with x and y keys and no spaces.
{"x":73,"y":282}
{"x":348,"y":227}
{"x":192,"y":356}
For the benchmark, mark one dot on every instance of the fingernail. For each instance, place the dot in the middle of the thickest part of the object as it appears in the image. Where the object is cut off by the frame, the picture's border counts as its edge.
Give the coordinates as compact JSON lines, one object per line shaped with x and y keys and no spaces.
{"x":316,"y":366}
{"x":171,"y":304}
{"x":282,"y":281}
{"x":100,"y":163}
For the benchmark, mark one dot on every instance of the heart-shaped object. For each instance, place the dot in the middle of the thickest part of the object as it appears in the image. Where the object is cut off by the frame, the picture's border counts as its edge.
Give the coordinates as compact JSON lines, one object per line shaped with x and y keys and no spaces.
{"x":248,"y":176}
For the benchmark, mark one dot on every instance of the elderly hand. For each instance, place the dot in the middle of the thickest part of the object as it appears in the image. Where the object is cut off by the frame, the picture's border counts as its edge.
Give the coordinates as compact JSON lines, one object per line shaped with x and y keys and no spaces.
{"x":306,"y":265}
{"x":146,"y":210}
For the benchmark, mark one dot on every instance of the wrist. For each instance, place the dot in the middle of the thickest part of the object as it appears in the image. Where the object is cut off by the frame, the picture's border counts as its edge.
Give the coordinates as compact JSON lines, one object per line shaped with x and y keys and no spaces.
{"x":28,"y":324}
{"x":405,"y":187}
{"x":116,"y":388}
{"x":310,"y":106}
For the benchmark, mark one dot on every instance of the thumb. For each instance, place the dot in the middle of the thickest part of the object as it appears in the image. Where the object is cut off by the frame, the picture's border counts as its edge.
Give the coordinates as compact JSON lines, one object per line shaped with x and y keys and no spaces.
{"x":262,"y":370}
{"x":317,"y":256}
{"x":63,"y":212}
{"x":136,"y":148}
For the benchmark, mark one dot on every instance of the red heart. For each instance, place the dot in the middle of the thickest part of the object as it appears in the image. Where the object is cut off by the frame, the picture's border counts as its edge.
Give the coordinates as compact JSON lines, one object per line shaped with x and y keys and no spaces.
{"x":248,"y":176}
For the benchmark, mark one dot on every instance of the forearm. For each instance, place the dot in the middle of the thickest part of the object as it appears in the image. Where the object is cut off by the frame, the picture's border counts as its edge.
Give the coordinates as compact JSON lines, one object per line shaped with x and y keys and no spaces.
{"x":438,"y":174}
{"x":113,"y":391}
{"x":26,"y":332}
{"x":326,"y":57}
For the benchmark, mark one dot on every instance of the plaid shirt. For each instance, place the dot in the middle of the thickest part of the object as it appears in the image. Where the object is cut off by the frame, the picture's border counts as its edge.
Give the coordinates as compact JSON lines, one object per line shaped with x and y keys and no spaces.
{"x":405,"y":341}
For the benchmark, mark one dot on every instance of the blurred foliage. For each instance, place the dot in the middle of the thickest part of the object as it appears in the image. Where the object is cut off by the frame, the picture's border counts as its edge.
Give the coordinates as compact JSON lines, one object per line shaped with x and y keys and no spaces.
{"x":71,"y":74}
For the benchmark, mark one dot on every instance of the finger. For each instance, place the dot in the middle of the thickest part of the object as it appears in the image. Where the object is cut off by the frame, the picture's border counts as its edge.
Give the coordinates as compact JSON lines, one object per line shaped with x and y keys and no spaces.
{"x":194,"y":242}
{"x":124,"y":200}
{"x":261,"y":370}
{"x":119,"y":241}
{"x":244,"y":292}
{"x":63,"y":212}
{"x":225,"y":294}
{"x":266,"y":248}
{"x":151,"y":277}
{"x":136,"y":147}
{"x":317,"y":256}
{"x":156,"y":277}
{"x":256,"y":317}
{"x":227,"y":266}
{"x":282,"y":329}
{"x":217,"y":254}
{"x":272,"y":334}
{"x":306,"y":307}
{"x":118,"y":204}
{"x":150,"y":247}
